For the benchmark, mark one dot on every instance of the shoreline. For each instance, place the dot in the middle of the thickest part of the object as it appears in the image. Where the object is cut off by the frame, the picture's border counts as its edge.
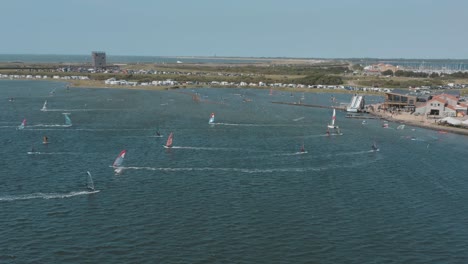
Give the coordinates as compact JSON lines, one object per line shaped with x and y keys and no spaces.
{"x":422,"y":122}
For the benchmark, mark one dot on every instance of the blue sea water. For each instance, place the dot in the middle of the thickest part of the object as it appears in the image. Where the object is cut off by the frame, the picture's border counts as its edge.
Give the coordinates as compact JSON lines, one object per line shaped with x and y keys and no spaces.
{"x":238,"y":191}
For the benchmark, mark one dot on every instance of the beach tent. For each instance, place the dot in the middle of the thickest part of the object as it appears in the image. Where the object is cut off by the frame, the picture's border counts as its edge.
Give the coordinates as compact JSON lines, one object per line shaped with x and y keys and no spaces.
{"x":465,"y":123}
{"x":451,"y":121}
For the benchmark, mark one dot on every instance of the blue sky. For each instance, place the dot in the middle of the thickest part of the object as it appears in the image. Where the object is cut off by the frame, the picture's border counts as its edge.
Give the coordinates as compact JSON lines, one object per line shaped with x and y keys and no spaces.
{"x":246,"y":28}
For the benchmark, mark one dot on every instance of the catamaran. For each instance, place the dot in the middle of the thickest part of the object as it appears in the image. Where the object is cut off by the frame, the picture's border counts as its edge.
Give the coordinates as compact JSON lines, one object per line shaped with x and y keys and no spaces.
{"x":118,"y":162}
{"x":68,"y":121}
{"x":44,"y":107}
{"x":169,"y":141}
{"x":212,"y":118}
{"x":23,"y":124}
{"x":332,"y":125}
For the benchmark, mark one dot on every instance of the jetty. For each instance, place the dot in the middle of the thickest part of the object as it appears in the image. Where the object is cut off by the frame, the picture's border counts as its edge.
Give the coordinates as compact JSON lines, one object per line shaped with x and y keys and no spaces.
{"x":343,"y":108}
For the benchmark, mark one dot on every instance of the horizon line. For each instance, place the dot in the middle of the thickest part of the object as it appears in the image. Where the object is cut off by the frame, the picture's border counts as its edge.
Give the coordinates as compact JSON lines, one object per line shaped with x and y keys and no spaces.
{"x":233,"y":57}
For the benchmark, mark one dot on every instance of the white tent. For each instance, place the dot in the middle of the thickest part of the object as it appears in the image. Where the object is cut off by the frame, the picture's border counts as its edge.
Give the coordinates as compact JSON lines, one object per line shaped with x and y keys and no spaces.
{"x":451,"y":121}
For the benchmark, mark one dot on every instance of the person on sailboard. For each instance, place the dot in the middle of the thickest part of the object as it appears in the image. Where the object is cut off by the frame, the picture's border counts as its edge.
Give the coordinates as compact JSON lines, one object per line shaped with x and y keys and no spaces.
{"x":45,"y":140}
{"x":302,"y":149}
{"x":158,"y":134}
{"x":328,"y":132}
{"x":374,"y":147}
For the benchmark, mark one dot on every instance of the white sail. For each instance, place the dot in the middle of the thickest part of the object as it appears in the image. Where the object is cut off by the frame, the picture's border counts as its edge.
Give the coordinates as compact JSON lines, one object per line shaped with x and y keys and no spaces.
{"x":23,"y":124}
{"x":68,"y":121}
{"x":332,"y":125}
{"x":44,"y":107}
{"x":212,"y":118}
{"x":89,"y":182}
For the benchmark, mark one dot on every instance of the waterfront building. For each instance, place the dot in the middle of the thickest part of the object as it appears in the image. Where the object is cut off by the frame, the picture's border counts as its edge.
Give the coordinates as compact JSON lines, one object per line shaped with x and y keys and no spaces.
{"x":443,"y":105}
{"x":397,"y":100}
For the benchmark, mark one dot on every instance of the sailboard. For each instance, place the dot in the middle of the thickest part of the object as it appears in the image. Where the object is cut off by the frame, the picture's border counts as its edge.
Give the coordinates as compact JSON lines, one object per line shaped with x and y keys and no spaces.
{"x":89,"y":182}
{"x":23,"y":124}
{"x":375,"y":147}
{"x":158,"y":134}
{"x":212,"y":119}
{"x":118,"y":162}
{"x":169,"y":141}
{"x":44,"y":107}
{"x":302,"y":150}
{"x":68,"y":121}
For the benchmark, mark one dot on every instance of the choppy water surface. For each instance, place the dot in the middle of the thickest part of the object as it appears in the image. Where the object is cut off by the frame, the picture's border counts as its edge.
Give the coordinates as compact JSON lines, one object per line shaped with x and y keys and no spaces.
{"x":237,"y":191}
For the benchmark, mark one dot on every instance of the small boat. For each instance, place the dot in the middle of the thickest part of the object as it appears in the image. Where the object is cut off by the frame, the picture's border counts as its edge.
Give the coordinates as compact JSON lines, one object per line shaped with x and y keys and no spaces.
{"x":23,"y":124}
{"x":169,"y":141}
{"x":385,"y":124}
{"x":364,"y":122}
{"x":44,"y":107}
{"x":118,"y":162}
{"x":212,"y":119}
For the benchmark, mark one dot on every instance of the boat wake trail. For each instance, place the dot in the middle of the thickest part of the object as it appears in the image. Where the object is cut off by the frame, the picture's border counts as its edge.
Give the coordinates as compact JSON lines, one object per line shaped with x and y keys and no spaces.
{"x":49,"y":125}
{"x":297,"y":119}
{"x":10,"y":198}
{"x":351,"y":153}
{"x":80,"y":110}
{"x":255,"y":170}
{"x":206,"y":148}
{"x":52,"y":153}
{"x":291,"y":154}
{"x":254,"y":125}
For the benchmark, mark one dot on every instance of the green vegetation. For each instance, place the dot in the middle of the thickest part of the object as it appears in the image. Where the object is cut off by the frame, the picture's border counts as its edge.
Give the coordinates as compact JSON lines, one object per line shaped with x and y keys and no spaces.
{"x":318,"y":78}
{"x":323,"y":73}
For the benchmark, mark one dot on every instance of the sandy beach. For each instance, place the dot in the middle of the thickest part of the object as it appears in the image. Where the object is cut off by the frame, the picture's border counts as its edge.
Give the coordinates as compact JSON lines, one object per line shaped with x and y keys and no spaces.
{"x":419,"y":121}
